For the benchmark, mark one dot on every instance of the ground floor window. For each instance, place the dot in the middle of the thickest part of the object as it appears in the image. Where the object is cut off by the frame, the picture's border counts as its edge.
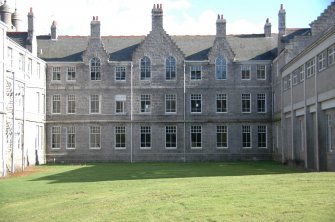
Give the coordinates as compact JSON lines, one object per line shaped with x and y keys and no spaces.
{"x":55,"y":137}
{"x":120,"y":137}
{"x":71,"y":137}
{"x":170,"y":137}
{"x":246,"y":137}
{"x":146,"y":137}
{"x":221,"y":137}
{"x":261,"y":137}
{"x":196,"y":136}
{"x":95,"y":137}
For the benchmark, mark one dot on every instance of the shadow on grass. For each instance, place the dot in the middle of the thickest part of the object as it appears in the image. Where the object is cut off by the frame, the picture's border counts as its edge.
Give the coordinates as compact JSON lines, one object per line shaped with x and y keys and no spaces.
{"x":140,"y":171}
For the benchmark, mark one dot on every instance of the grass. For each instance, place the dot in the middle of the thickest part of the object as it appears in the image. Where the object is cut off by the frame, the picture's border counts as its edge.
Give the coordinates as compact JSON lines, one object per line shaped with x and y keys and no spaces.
{"x":241,"y":191}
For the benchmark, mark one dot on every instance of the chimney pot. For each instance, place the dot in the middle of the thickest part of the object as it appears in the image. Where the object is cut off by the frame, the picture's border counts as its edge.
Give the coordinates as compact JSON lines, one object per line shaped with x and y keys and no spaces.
{"x":97,"y":18}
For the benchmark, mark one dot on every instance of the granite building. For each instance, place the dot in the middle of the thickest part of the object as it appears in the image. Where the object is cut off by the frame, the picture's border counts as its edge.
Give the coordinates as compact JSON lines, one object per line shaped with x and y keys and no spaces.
{"x":192,"y":98}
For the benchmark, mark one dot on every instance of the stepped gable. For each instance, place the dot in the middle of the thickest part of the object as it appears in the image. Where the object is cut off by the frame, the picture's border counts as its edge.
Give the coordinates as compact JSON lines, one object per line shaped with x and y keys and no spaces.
{"x":325,"y":21}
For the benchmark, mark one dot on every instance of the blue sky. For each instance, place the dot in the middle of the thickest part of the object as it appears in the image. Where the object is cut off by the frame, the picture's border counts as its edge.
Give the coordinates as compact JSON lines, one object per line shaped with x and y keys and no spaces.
{"x":181,"y":17}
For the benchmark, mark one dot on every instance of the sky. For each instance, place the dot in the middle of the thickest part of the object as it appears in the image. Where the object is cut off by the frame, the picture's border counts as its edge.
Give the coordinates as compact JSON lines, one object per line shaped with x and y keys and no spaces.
{"x":181,"y":17}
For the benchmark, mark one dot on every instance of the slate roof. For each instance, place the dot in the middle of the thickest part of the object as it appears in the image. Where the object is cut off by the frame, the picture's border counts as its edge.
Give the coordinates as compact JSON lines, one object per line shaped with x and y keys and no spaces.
{"x":19,"y":37}
{"x":121,"y":48}
{"x":291,"y":33}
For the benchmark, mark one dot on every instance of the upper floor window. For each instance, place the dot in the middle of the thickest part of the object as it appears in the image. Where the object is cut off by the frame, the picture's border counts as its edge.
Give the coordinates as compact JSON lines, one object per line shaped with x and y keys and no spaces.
{"x":246,"y":103}
{"x":196,"y":100}
{"x":38,"y":70}
{"x":145,"y":103}
{"x":95,"y":69}
{"x":145,"y":68}
{"x":71,"y":73}
{"x":195,"y":72}
{"x":261,"y":103}
{"x":322,"y":60}
{"x":71,"y":104}
{"x":331,"y":55}
{"x":30,"y":66}
{"x":55,"y":73}
{"x":10,"y":56}
{"x":120,"y":101}
{"x":120,"y":73}
{"x":95,"y":104}
{"x":220,"y":68}
{"x":221,"y":103}
{"x":246,"y":72}
{"x":310,"y":67}
{"x":56,"y":104}
{"x":170,"y":68}
{"x":260,"y":69}
{"x":21,"y":62}
{"x":170,"y":103}
{"x":301,"y":73}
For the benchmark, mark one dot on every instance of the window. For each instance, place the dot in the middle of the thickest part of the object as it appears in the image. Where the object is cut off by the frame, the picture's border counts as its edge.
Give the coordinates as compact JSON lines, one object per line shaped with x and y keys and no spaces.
{"x":246,"y":137}
{"x":261,"y":103}
{"x":145,"y":137}
{"x":329,"y":133}
{"x":322,"y":60}
{"x":56,"y":73}
{"x":145,"y":67}
{"x":21,"y":62}
{"x":38,"y":102}
{"x":120,"y":104}
{"x":301,"y":73}
{"x":310,"y":67}
{"x":195,"y":72}
{"x":221,"y":137}
{"x":261,"y":135}
{"x":95,"y":137}
{"x":120,"y":73}
{"x":10,"y":56}
{"x":331,"y":55}
{"x":295,"y":76}
{"x":71,"y":73}
{"x":220,"y":68}
{"x":38,"y":70}
{"x":170,"y":68}
{"x":245,"y":71}
{"x":71,"y":137}
{"x":145,"y":103}
{"x":260,"y":69}
{"x":30,"y":66}
{"x":55,"y":137}
{"x":71,"y":104}
{"x":95,"y":104}
{"x":170,"y":103}
{"x":196,"y":137}
{"x":170,"y":137}
{"x":120,"y":137}
{"x":246,"y":104}
{"x":196,"y":103}
{"x":221,"y":103}
{"x":95,"y":69}
{"x":43,"y":103}
{"x":56,"y":104}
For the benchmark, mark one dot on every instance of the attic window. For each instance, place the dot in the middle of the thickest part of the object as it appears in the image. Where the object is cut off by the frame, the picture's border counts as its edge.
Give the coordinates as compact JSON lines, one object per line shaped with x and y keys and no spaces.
{"x":95,"y":68}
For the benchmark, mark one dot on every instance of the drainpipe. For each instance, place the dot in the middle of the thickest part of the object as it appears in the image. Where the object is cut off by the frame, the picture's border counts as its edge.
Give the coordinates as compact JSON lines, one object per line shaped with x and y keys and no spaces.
{"x":13,"y":128}
{"x":305,"y":121}
{"x":317,"y":159}
{"x":24,"y":122}
{"x":131,"y":112}
{"x":184,"y":117}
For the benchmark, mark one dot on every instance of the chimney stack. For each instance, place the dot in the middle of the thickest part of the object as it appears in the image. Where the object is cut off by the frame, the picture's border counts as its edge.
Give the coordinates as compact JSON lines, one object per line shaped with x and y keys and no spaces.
{"x":54,"y":30}
{"x":221,"y":27}
{"x":267,"y":28}
{"x":95,"y":27}
{"x":157,"y":17}
{"x":31,"y":40}
{"x":282,"y":21}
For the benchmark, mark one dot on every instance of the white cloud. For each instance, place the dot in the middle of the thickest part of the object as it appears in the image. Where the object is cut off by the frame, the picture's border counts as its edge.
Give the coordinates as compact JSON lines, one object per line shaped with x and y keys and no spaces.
{"x":125,"y":17}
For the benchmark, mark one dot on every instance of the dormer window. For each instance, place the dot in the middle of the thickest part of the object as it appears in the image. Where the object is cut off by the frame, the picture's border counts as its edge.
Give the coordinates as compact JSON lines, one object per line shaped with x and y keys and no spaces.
{"x":170,"y":68}
{"x":145,"y":68}
{"x":220,"y":68}
{"x":95,"y":68}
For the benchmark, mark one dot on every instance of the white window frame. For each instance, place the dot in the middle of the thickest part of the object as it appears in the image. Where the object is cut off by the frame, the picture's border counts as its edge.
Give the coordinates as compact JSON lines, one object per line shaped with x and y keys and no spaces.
{"x":56,"y":131}
{"x":221,"y":129}
{"x":245,"y":68}
{"x":146,"y":100}
{"x":95,"y":131}
{"x":170,"y":98}
{"x":260,"y":68}
{"x":246,"y":129}
{"x":55,"y":98}
{"x":195,"y":69}
{"x":262,"y":129}
{"x":71,"y":72}
{"x":310,"y":67}
{"x":119,"y":71}
{"x":170,"y":67}
{"x":120,"y":99}
{"x":118,"y":131}
{"x":95,"y":68}
{"x":196,"y":97}
{"x":70,"y":130}
{"x":331,"y":55}
{"x":221,"y":97}
{"x":56,"y":74}
{"x":171,"y":130}
{"x":221,"y":68}
{"x":144,"y":130}
{"x":261,"y":97}
{"x":71,"y":101}
{"x":10,"y":56}
{"x":196,"y":129}
{"x":99,"y":105}
{"x":145,"y":68}
{"x":21,"y":62}
{"x":243,"y":98}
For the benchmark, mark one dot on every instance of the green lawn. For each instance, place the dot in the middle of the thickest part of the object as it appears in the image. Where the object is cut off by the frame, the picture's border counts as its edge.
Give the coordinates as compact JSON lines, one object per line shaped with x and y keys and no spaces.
{"x":240,"y":191}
